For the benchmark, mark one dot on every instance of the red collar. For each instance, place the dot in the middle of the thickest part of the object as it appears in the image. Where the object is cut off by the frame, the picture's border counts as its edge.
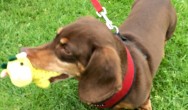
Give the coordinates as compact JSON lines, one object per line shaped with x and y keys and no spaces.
{"x":127,"y":84}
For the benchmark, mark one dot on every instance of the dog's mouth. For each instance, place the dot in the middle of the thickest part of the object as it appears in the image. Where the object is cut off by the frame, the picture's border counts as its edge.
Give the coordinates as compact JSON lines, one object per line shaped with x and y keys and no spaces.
{"x":59,"y":78}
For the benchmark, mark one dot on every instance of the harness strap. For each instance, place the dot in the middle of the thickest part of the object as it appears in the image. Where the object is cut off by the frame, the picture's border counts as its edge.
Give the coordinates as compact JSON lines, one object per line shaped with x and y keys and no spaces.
{"x":126,"y":84}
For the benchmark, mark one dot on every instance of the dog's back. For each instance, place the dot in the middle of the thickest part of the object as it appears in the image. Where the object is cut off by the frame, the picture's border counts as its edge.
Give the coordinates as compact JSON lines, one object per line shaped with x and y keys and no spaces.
{"x":150,"y":24}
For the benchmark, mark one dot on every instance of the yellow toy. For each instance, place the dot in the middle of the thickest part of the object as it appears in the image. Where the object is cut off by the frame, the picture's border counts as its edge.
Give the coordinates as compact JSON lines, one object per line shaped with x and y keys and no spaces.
{"x":22,"y":73}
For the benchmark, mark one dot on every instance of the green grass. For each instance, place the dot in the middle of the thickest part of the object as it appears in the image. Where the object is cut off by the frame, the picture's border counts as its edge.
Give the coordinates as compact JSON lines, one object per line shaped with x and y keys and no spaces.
{"x":33,"y":22}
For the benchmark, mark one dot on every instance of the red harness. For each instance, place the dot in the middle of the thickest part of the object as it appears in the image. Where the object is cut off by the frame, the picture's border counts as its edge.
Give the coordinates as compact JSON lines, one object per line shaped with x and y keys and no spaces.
{"x":126,"y":85}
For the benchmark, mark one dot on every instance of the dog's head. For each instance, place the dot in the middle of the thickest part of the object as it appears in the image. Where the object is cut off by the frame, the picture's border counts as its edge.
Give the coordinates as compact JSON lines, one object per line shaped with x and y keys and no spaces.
{"x":85,"y":49}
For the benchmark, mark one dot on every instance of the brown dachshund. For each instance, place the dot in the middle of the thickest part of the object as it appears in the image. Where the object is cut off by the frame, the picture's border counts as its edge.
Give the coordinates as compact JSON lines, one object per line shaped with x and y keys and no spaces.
{"x":111,"y":72}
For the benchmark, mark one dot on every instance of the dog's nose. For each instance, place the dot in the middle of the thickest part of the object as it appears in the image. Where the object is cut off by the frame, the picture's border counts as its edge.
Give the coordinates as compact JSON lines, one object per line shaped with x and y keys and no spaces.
{"x":24,"y":49}
{"x":28,"y":51}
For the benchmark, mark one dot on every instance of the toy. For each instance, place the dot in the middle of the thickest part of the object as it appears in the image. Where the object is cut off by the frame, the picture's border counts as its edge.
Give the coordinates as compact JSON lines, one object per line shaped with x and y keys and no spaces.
{"x":22,"y":73}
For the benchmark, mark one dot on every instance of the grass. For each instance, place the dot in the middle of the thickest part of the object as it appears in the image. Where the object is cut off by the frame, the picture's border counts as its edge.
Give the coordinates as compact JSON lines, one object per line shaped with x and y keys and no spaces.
{"x":33,"y":22}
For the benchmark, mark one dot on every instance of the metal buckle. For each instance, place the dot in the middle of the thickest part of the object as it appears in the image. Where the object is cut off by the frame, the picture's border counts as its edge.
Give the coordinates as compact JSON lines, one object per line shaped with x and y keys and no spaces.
{"x":109,"y":23}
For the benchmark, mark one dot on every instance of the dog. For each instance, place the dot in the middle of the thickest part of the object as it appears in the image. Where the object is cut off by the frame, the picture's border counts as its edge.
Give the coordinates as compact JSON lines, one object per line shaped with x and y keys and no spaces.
{"x":87,"y":50}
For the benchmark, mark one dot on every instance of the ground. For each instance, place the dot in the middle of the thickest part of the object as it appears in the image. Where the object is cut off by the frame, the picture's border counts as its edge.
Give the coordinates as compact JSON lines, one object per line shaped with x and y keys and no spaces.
{"x":33,"y":22}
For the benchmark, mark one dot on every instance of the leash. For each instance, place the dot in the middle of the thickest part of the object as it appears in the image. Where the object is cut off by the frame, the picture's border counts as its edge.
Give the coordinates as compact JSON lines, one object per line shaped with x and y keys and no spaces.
{"x":101,"y":12}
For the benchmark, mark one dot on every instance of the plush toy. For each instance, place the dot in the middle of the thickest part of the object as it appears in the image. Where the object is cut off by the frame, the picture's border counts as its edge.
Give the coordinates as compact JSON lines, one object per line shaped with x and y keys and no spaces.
{"x":22,"y":73}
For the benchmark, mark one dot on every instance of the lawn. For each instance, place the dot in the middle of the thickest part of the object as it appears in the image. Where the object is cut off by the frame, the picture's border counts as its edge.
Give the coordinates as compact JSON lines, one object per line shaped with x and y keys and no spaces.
{"x":26,"y":23}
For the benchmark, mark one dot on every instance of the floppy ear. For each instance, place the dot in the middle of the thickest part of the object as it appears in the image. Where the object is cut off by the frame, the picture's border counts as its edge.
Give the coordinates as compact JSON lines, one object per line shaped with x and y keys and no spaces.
{"x":102,"y":76}
{"x":59,"y":30}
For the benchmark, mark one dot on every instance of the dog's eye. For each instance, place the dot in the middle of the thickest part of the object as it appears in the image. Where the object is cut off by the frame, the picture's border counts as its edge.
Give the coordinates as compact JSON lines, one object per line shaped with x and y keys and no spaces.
{"x":64,"y":52}
{"x":64,"y":49}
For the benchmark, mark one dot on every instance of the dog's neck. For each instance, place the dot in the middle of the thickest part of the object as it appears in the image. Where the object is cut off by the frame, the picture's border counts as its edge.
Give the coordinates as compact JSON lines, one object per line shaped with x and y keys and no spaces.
{"x":128,"y":75}
{"x":120,"y":46}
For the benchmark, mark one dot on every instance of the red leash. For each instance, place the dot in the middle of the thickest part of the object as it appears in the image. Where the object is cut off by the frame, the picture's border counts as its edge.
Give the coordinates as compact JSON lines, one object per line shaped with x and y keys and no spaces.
{"x":97,"y":5}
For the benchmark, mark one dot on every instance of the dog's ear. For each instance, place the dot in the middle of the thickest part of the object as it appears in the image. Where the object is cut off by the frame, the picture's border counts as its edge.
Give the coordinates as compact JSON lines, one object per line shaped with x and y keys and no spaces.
{"x":102,"y":76}
{"x":59,"y":30}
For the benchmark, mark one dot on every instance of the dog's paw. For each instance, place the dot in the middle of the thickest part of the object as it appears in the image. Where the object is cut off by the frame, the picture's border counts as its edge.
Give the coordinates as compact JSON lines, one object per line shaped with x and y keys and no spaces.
{"x":146,"y":105}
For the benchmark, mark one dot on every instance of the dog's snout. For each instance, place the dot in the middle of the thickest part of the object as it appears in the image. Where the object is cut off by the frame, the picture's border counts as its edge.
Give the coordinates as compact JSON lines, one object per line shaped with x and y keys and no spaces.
{"x":27,"y":51}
